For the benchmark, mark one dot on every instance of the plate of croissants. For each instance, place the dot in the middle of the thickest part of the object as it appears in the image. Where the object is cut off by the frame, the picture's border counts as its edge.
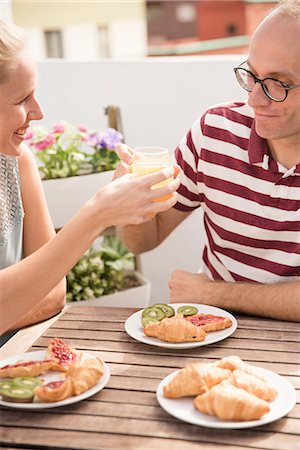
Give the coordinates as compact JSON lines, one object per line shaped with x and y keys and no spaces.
{"x":228,"y":393}
{"x":180,"y":325}
{"x":59,"y":376}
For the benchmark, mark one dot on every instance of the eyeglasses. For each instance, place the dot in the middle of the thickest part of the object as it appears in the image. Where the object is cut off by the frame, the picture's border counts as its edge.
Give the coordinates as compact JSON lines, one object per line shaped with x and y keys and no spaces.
{"x":274,"y":89}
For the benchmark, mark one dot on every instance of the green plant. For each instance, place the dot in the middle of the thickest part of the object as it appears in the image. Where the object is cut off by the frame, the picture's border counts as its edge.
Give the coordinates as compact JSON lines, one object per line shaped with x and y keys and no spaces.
{"x":100,"y":271}
{"x":69,"y":150}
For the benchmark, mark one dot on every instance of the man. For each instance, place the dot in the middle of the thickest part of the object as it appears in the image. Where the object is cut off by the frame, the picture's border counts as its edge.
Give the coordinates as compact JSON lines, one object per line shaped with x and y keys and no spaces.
{"x":241,"y":164}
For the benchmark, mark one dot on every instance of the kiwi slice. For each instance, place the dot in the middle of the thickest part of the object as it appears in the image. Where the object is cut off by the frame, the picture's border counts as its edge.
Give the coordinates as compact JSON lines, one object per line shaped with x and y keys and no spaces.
{"x":147,"y":320}
{"x":167,"y":309}
{"x":187,"y":310}
{"x":154,"y":313}
{"x":5,"y":384}
{"x":26,"y":382}
{"x":17,"y":394}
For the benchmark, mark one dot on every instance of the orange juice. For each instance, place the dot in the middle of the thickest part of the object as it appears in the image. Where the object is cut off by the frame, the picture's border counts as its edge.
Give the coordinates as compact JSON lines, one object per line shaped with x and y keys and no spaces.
{"x":148,"y":160}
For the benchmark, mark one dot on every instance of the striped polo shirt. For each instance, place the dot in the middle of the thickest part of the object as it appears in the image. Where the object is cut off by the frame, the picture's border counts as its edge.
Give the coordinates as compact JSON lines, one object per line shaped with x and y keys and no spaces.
{"x":251,"y":203}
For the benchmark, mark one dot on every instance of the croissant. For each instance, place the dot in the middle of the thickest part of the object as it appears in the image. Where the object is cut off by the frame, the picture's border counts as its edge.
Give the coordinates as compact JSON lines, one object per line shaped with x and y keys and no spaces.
{"x":253,"y":384}
{"x":235,"y":362}
{"x":55,"y":391}
{"x":175,"y":329}
{"x":27,"y":368}
{"x":85,"y":375}
{"x":194,"y":379}
{"x":79,"y":379}
{"x":229,"y":402}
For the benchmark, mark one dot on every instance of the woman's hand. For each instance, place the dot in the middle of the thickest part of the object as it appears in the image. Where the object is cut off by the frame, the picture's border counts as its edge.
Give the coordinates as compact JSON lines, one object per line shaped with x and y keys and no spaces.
{"x":129,"y":200}
{"x":125,"y":155}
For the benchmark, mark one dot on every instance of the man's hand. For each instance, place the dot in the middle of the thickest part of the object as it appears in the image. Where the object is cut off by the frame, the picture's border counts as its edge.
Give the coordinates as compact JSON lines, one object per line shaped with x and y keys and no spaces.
{"x":189,"y":287}
{"x":277,"y":301}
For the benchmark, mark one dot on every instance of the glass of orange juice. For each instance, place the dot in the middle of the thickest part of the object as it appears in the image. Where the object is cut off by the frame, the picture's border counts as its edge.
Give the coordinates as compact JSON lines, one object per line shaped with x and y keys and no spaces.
{"x":147,"y":160}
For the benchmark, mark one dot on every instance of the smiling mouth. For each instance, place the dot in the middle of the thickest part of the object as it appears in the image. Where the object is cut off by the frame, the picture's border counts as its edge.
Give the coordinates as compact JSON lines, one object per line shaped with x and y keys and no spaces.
{"x":21,"y":131}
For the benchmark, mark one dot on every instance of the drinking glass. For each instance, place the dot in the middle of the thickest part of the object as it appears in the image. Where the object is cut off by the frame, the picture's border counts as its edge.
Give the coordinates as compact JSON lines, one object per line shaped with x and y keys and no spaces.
{"x":147,"y":160}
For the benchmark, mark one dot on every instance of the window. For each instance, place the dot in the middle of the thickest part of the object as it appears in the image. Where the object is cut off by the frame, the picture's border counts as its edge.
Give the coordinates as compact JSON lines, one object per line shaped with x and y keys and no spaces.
{"x":54,"y":45}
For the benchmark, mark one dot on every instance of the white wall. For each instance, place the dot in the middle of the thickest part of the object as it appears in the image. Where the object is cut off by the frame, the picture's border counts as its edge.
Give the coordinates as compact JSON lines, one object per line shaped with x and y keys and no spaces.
{"x":159,"y":100}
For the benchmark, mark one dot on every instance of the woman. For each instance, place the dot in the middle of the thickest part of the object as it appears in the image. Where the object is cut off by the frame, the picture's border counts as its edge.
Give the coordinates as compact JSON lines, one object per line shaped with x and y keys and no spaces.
{"x":33,"y":260}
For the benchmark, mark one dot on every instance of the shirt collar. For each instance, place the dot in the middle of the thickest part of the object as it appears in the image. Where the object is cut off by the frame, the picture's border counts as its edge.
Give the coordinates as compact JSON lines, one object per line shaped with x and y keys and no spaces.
{"x":259,"y":155}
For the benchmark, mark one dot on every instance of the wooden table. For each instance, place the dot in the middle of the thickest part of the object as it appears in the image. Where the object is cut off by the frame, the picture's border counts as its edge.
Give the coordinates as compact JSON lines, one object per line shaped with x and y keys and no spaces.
{"x":126,"y":415}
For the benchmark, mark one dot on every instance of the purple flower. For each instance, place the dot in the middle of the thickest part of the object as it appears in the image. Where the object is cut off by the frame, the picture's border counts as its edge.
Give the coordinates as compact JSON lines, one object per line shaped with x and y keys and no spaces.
{"x":111,"y":138}
{"x":107,"y":140}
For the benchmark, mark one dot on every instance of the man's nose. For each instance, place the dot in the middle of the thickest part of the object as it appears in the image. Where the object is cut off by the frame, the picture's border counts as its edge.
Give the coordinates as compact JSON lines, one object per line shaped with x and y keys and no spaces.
{"x":257,"y":96}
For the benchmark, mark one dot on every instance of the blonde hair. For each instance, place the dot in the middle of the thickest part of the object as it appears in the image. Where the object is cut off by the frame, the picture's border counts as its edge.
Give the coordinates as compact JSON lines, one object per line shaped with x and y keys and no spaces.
{"x":12,"y":43}
{"x":289,"y":7}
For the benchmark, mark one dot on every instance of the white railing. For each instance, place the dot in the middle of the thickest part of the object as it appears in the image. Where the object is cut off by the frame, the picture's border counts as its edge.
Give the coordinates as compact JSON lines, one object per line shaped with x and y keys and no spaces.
{"x":159,"y":99}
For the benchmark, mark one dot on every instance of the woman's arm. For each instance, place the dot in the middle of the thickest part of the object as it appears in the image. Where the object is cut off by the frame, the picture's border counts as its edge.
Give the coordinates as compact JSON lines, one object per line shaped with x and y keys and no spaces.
{"x":126,"y":200}
{"x":37,"y":230}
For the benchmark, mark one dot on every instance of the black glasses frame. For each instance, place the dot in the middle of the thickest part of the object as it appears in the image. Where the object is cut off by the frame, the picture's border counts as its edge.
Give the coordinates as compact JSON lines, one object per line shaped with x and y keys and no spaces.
{"x":285,"y":86}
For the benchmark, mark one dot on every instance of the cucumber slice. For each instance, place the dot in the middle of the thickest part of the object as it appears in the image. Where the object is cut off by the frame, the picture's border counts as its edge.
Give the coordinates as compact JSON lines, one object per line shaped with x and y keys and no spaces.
{"x":187,"y":310}
{"x":153,"y":312}
{"x":167,"y":309}
{"x":26,"y":382}
{"x":147,"y":320}
{"x":17,"y":395}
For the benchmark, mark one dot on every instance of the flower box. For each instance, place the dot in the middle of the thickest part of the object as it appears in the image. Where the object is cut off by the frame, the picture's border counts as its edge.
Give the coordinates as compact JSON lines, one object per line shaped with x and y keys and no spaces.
{"x":65,"y":196}
{"x":135,"y":297}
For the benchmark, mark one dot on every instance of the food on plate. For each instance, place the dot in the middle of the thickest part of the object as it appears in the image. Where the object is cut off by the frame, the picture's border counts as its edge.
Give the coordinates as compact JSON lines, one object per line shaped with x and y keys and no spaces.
{"x":85,"y":375}
{"x":154,"y":313}
{"x":27,"y":368}
{"x":229,"y":402}
{"x":4,"y":384}
{"x":17,"y":394}
{"x":229,"y":389}
{"x":79,"y":378}
{"x":194,"y":379}
{"x":66,"y":356}
{"x":160,"y":311}
{"x":175,"y":329}
{"x":187,"y":310}
{"x":27,"y":382}
{"x":54,"y":391}
{"x":253,"y":385}
{"x":167,"y":309}
{"x":235,"y":362}
{"x":209,"y":322}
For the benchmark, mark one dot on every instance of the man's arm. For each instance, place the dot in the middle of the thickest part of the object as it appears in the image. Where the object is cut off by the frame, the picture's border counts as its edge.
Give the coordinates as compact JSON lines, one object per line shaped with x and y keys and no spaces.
{"x":277,"y":301}
{"x":145,"y":237}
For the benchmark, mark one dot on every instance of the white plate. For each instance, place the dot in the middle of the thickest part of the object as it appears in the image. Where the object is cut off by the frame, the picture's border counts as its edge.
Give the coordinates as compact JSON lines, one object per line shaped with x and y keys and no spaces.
{"x":52,"y":376}
{"x":134,"y":328}
{"x":184,"y":409}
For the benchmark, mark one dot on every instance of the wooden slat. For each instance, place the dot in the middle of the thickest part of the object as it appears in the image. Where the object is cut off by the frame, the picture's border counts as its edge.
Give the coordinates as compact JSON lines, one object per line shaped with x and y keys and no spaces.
{"x":63,"y":439}
{"x":153,"y":428}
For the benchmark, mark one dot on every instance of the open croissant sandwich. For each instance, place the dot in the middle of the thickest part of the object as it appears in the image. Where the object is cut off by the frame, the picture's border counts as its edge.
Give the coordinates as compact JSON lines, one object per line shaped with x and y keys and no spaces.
{"x":229,"y":389}
{"x":186,"y":325}
{"x":20,"y":382}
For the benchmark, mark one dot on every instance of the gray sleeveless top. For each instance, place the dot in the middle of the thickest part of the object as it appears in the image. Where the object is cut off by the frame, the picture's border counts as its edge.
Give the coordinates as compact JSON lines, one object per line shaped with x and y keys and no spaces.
{"x":11,"y":212}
